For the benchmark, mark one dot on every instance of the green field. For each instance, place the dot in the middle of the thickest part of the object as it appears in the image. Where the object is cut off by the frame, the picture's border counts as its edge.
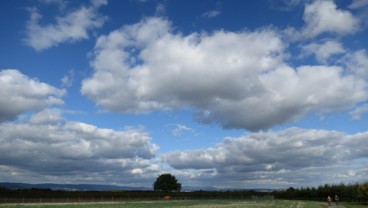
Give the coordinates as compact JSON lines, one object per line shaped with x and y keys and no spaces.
{"x":182,"y":204}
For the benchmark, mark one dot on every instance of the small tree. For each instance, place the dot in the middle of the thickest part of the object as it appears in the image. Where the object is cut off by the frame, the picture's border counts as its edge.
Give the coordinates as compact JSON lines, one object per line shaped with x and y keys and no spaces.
{"x":166,"y":183}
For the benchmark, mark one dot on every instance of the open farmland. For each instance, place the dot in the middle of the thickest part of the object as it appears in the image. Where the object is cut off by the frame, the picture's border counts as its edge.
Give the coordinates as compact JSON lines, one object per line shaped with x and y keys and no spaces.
{"x":181,"y":204}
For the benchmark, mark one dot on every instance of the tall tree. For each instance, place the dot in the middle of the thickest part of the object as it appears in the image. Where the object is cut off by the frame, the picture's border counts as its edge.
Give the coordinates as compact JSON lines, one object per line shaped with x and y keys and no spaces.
{"x":166,"y":183}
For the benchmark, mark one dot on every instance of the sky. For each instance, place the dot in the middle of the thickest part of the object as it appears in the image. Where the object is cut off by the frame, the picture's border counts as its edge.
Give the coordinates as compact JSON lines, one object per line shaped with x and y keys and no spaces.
{"x":227,"y":94}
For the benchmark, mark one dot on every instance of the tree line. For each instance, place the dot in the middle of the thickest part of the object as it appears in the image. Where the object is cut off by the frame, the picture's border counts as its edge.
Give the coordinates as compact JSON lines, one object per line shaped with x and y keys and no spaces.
{"x":48,"y":195}
{"x":352,"y":192}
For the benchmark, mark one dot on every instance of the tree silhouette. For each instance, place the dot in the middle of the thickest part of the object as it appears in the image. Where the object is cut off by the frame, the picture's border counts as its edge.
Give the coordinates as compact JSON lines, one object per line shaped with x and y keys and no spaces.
{"x":166,"y":183}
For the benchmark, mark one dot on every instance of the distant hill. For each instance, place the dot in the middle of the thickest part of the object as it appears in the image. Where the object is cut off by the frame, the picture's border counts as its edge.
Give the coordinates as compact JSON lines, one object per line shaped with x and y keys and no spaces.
{"x":71,"y":187}
{"x":98,"y":187}
{"x":90,"y":187}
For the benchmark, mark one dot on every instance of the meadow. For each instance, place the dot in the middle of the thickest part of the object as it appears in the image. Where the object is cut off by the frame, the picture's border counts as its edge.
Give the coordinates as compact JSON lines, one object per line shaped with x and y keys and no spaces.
{"x":182,"y":204}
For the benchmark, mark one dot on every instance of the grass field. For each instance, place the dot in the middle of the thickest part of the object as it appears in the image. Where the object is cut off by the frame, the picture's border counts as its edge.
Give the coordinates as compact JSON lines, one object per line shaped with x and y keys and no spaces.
{"x":182,"y":204}
{"x":354,"y":205}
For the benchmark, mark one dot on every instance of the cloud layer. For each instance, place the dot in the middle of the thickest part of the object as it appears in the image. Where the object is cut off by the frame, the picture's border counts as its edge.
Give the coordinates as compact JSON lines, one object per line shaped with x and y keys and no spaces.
{"x":234,"y":79}
{"x":48,"y":145}
{"x":43,"y":146}
{"x":277,"y":156}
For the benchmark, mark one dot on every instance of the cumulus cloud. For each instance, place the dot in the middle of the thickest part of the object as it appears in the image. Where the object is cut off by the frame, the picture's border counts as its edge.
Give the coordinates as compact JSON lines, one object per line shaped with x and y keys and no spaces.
{"x":234,"y":79}
{"x":290,"y":156}
{"x":20,"y":94}
{"x":323,"y":51}
{"x":47,"y":144}
{"x":72,"y":27}
{"x":323,"y":16}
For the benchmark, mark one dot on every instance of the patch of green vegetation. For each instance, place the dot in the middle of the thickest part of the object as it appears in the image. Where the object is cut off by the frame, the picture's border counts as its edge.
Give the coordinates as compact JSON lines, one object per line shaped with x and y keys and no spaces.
{"x":354,"y":205}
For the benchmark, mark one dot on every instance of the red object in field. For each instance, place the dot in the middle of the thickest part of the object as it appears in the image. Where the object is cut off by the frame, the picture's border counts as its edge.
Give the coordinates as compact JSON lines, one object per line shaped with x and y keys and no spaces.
{"x":167,"y":197}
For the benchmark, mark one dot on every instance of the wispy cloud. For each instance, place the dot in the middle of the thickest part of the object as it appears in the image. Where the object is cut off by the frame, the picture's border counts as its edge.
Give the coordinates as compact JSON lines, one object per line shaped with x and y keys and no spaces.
{"x":160,"y":9}
{"x":181,"y":129}
{"x":60,"y":3}
{"x":323,"y":51}
{"x":72,"y":27}
{"x":211,"y":14}
{"x":68,"y":79}
{"x":357,"y":112}
{"x":357,"y":4}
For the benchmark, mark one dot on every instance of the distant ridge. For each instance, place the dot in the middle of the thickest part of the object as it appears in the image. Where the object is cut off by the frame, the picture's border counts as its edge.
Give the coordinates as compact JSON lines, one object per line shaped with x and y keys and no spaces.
{"x":100,"y":187}
{"x":71,"y":187}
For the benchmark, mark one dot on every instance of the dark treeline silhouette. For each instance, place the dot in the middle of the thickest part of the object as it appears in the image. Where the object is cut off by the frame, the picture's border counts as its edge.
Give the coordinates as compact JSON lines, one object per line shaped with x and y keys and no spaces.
{"x":350,"y":193}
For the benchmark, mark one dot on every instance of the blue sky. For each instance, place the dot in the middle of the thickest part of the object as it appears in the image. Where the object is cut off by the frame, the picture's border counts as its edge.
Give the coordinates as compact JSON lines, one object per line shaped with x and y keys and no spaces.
{"x":231,"y":94}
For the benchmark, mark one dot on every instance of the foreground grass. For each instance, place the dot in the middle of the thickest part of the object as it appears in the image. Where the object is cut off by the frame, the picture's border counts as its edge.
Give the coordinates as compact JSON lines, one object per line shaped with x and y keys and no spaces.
{"x":354,"y":205}
{"x":181,"y":204}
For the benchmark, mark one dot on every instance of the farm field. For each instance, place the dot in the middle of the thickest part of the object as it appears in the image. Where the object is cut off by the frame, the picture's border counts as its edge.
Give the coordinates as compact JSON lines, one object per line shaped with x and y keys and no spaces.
{"x":182,"y":204}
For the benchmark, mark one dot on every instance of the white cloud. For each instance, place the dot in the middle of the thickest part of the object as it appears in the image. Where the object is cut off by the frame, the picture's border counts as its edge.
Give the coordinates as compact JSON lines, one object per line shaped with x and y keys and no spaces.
{"x":48,"y":145}
{"x":323,"y":16}
{"x":72,"y":27}
{"x":294,"y":156}
{"x":211,"y":14}
{"x":235,"y":79}
{"x":20,"y":94}
{"x":324,"y":50}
